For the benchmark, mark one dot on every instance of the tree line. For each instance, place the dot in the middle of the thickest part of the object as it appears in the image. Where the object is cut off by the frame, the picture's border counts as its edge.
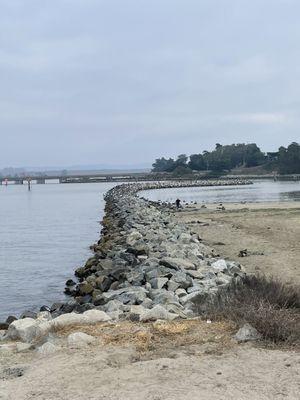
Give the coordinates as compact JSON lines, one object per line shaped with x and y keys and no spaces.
{"x":227,"y":157}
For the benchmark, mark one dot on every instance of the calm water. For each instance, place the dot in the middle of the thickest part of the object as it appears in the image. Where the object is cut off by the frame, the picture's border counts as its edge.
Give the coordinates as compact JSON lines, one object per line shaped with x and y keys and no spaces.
{"x":44,"y":235}
{"x":258,"y":192}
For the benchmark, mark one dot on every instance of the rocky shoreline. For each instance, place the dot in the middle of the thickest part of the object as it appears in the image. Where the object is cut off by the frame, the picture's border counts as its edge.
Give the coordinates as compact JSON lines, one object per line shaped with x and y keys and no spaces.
{"x":145,"y":266}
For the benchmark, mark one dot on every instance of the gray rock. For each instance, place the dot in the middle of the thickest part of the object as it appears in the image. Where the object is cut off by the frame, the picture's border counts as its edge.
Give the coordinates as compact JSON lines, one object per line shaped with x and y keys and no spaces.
{"x":191,"y":298}
{"x":147,"y":303}
{"x":113,"y":305}
{"x":182,"y":279}
{"x":195,"y":274}
{"x":158,"y":283}
{"x":157,"y":312}
{"x":10,"y":319}
{"x":162,"y":296}
{"x":3,"y":326}
{"x":247,"y":333}
{"x":195,"y":288}
{"x":125,"y":295}
{"x":28,"y":314}
{"x":172,"y":285}
{"x":170,"y":262}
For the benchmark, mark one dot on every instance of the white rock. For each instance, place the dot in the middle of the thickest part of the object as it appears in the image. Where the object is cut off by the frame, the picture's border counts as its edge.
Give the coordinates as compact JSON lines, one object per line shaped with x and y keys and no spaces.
{"x":68,"y":319}
{"x":88,"y":317}
{"x":94,"y":316}
{"x":47,"y":348}
{"x":219,"y":265}
{"x":26,"y":329}
{"x":80,"y":339}
{"x":180,"y":292}
{"x":157,"y":312}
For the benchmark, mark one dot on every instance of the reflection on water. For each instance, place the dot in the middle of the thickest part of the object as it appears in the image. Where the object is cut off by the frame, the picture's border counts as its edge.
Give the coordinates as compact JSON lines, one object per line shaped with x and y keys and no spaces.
{"x":258,"y":192}
{"x":44,"y":235}
{"x":288,"y":196}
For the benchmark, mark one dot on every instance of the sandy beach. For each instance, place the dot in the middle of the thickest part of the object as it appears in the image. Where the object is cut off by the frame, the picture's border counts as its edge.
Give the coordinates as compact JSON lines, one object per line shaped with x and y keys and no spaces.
{"x":188,"y":360}
{"x":269,"y":231}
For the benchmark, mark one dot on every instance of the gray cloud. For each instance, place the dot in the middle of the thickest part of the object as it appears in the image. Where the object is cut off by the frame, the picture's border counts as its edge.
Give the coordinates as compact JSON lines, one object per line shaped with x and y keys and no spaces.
{"x":126,"y":81}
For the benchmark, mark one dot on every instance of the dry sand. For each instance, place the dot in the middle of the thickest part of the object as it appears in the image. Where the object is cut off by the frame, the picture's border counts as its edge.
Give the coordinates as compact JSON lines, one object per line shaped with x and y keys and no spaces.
{"x":269,"y":231}
{"x":189,"y":360}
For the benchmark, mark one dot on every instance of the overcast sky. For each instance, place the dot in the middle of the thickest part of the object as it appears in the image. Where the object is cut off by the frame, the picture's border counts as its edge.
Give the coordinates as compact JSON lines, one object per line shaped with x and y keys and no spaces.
{"x":127,"y":81}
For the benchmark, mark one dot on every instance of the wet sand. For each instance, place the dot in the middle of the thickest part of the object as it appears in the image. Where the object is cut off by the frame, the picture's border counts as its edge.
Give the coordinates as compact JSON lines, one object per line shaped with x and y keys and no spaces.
{"x":269,"y":231}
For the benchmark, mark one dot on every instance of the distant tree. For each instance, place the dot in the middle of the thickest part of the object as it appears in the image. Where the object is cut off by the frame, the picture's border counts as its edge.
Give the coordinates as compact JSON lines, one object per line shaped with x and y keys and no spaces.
{"x":163,"y":165}
{"x":227,"y":157}
{"x":197,"y":162}
{"x":181,"y":170}
{"x":289,"y":159}
{"x":253,"y":156}
{"x":181,"y":160}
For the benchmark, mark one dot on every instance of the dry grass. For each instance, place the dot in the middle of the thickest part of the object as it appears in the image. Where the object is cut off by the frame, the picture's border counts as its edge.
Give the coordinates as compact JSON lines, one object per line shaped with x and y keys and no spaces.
{"x":158,"y":337}
{"x":270,"y":306}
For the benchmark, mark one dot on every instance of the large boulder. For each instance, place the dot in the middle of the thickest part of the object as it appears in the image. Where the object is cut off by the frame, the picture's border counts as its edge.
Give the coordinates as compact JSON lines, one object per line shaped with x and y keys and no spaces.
{"x":88,"y":317}
{"x":95,"y":316}
{"x":26,"y":330}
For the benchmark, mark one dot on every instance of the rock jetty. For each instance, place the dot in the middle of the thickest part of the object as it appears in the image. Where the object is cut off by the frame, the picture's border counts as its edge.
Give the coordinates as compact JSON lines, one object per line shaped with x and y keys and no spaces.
{"x":146,"y":266}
